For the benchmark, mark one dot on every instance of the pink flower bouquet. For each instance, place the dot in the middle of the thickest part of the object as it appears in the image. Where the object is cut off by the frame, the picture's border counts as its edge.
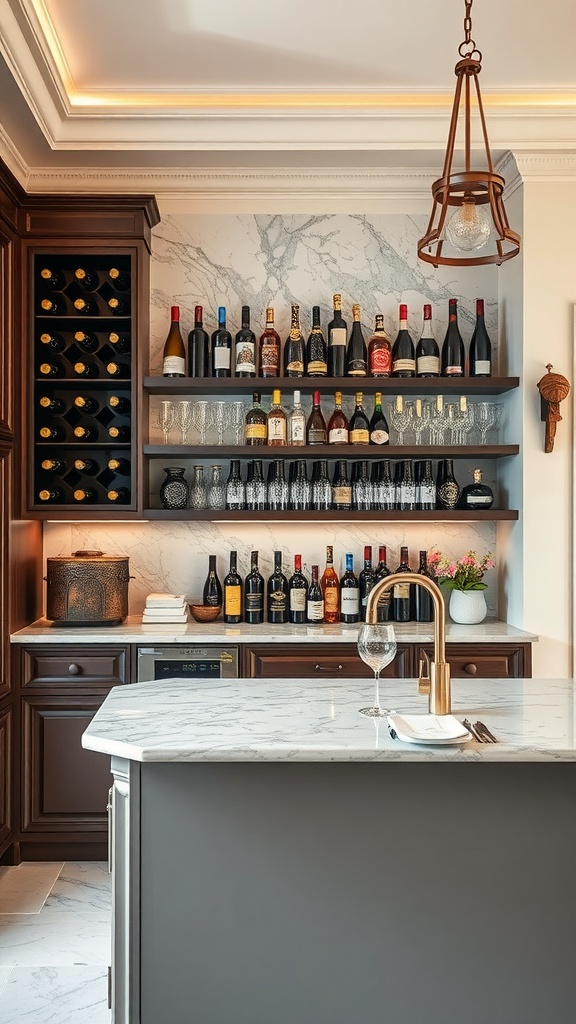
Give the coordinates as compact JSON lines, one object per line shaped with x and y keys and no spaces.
{"x":464,"y":574}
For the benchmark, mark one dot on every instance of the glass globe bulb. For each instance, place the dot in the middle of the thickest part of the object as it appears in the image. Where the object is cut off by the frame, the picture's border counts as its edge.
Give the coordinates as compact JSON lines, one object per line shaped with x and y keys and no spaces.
{"x":469,"y":227}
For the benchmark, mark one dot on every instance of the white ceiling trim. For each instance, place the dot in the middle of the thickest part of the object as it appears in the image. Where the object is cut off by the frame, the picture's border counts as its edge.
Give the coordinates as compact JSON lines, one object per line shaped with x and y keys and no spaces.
{"x":13,"y":159}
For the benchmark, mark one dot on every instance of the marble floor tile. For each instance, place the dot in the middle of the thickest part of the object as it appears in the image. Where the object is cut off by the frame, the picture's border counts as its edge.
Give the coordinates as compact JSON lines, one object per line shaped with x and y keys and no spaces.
{"x":25,"y":888}
{"x":81,"y":885}
{"x":55,"y":995}
{"x":5,"y":973}
{"x":55,"y":938}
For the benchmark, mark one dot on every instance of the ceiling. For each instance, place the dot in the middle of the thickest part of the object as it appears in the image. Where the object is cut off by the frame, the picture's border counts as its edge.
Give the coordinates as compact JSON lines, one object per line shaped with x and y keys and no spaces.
{"x":185,"y":85}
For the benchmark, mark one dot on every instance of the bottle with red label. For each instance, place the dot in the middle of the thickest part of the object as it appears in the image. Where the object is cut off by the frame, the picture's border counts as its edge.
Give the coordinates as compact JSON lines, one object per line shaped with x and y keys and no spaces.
{"x":453,"y":355}
{"x":427,"y":351}
{"x":379,"y":350}
{"x":403,"y":356}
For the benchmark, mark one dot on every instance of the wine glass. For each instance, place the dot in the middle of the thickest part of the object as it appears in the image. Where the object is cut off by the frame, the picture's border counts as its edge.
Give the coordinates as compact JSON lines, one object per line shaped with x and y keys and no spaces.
{"x":485,"y":419}
{"x":238,"y":416}
{"x":165,"y":416}
{"x":220,"y":419}
{"x":201,"y":418}
{"x":377,"y":648}
{"x":184,"y":419}
{"x":400,"y":419}
{"x":422,"y":414}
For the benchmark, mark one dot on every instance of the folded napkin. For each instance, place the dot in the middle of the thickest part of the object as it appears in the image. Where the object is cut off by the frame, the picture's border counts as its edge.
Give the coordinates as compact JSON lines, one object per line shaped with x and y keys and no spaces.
{"x":165,"y":600}
{"x":156,"y":616}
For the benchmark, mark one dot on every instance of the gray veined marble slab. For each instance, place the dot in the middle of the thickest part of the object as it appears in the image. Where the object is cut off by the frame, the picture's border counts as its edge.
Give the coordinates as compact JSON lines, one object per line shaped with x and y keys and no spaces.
{"x":55,"y":938}
{"x":55,"y":995}
{"x":82,"y":885}
{"x":311,"y":720}
{"x":24,"y":888}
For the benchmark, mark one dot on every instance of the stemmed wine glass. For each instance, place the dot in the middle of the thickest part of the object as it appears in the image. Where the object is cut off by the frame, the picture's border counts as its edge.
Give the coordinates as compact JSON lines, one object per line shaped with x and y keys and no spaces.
{"x":485,"y":419}
{"x":377,"y":648}
{"x":184,"y":419}
{"x":201,"y":418}
{"x":220,"y":419}
{"x":238,"y":416}
{"x":422,"y":414}
{"x":401,"y":420}
{"x":166,"y":418}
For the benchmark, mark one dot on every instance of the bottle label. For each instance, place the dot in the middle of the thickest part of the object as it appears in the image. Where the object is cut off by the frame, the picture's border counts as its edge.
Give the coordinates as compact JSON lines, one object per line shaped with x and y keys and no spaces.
{"x":359,"y":436}
{"x":174,"y":364}
{"x":482,"y":368}
{"x":338,"y":336}
{"x":357,"y":368}
{"x":381,"y":360}
{"x":255,"y":430}
{"x":315,"y":611}
{"x":338,"y":435}
{"x":295,"y":366}
{"x":379,"y":437}
{"x":342,"y":495}
{"x":404,"y":366}
{"x":232,"y":600}
{"x":269,"y":360}
{"x":427,"y":494}
{"x":428,"y":364}
{"x":316,"y":436}
{"x":478,"y":499}
{"x":277,"y":601}
{"x":349,"y":601}
{"x":276,"y":428}
{"x":454,"y":371}
{"x":254,"y":602}
{"x":298,"y":600}
{"x":317,"y":366}
{"x":221,"y":357}
{"x":331,"y":599}
{"x":297,"y":430}
{"x":245,"y":358}
{"x":401,"y":591}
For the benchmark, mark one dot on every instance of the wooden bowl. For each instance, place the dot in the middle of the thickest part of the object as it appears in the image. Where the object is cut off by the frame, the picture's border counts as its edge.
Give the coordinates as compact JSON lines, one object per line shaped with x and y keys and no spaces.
{"x":205,"y":612}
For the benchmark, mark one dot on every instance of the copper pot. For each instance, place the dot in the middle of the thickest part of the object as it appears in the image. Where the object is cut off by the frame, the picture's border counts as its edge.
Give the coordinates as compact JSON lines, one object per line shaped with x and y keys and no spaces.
{"x":87,"y":588}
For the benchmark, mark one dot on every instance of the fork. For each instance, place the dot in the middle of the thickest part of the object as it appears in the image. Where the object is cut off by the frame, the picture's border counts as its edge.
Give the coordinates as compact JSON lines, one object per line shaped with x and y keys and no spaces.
{"x":474,"y":732}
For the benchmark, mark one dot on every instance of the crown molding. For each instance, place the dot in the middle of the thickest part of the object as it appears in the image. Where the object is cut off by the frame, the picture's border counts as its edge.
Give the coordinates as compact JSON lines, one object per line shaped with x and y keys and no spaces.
{"x":13,"y":159}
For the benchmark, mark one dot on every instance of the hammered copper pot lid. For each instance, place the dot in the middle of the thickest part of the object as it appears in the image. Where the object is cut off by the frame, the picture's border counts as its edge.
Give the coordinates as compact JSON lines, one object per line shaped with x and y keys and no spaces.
{"x":86,"y":555}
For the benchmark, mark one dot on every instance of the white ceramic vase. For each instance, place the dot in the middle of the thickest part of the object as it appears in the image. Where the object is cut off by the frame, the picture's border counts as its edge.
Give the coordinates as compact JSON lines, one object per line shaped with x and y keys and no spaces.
{"x":467,"y":606}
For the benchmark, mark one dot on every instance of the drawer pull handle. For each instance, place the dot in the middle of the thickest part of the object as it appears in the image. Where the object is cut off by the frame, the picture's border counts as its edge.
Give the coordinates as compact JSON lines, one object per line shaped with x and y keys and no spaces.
{"x":73,"y":669}
{"x":471,"y":668}
{"x":328,"y":668}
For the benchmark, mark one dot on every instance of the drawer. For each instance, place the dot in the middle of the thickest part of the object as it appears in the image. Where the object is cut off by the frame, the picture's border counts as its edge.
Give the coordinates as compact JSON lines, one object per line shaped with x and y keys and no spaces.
{"x":488,"y":661}
{"x":320,"y":662}
{"x":74,"y":666}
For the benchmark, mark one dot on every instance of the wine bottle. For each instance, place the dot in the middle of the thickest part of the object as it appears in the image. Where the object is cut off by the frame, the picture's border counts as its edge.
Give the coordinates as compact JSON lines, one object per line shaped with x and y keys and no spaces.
{"x":121,"y":435}
{"x":199,"y":347}
{"x":480,"y":346}
{"x":114,"y":369}
{"x":356,"y":355}
{"x":54,"y":433}
{"x":235,"y":494}
{"x":120,"y":466}
{"x":82,"y":369}
{"x":120,"y":279}
{"x":88,"y":279}
{"x":330,"y":585}
{"x":54,"y":342}
{"x":314,"y":599}
{"x":119,"y":306}
{"x":86,"y":307}
{"x":55,"y":405}
{"x":316,"y":425}
{"x":453,"y":356}
{"x":53,"y":307}
{"x":54,"y":466}
{"x":384,"y":606}
{"x":426,"y":492}
{"x":212,"y":592}
{"x":294,"y":347}
{"x":403,"y":357}
{"x":88,"y":405}
{"x":349,"y":599}
{"x":82,"y":433}
{"x":278,"y":490}
{"x":321,"y":487}
{"x":221,"y":347}
{"x":174,"y":355}
{"x":407,"y":488}
{"x":297,"y":593}
{"x":121,"y":342}
{"x":255,"y":487}
{"x":245,"y":348}
{"x":379,"y":432}
{"x":427,"y":351}
{"x":120,"y":495}
{"x":254,"y":593}
{"x":423,"y":611}
{"x":337,"y":338}
{"x":87,"y":341}
{"x":54,"y":278}
{"x":297,"y":423}
{"x":52,"y":369}
{"x":401,"y":598}
{"x":448,"y":491}
{"x":120,"y":404}
{"x":379,"y":350}
{"x":316,"y":354}
{"x":269,"y":347}
{"x":366,"y":581}
{"x":277,"y":424}
{"x":50,"y":494}
{"x":338,"y":432}
{"x":277,"y":593}
{"x":341,"y":488}
{"x":477,"y":495}
{"x":86,"y":466}
{"x":300,"y":487}
{"x":233,"y":597}
{"x":359,"y":426}
{"x":256,"y":423}
{"x":85,"y":494}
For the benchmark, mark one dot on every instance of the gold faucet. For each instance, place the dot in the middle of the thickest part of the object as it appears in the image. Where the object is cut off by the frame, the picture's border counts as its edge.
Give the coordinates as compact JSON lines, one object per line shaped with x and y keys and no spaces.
{"x":434,"y":677}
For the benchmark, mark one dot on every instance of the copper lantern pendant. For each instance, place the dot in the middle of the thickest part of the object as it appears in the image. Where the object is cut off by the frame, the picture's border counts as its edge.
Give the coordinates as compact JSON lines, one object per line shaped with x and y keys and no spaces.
{"x":468,"y":210}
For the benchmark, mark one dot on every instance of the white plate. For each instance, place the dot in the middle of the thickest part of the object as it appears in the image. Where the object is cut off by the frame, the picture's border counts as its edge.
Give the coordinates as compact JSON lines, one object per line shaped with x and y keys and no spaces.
{"x":429,"y":729}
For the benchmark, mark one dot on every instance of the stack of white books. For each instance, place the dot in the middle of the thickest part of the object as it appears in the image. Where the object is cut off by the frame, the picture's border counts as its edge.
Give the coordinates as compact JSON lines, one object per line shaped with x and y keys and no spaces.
{"x":165,"y":608}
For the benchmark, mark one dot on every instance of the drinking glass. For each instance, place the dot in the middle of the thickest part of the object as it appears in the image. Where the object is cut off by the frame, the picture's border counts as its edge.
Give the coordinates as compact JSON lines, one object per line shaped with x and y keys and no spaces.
{"x":198,"y":489}
{"x":465,"y":419}
{"x":201,"y":418}
{"x":220,"y":419}
{"x":401,"y":420}
{"x":216,"y":492}
{"x":237,"y":416}
{"x":377,"y":648}
{"x":421,"y":421}
{"x":184,"y":419}
{"x":485,"y":419}
{"x":165,"y":419}
{"x":438,"y":425}
{"x":497,"y":417}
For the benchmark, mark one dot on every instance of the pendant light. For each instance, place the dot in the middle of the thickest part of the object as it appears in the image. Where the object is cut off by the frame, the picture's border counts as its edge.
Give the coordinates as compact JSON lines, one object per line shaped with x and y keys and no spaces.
{"x":468,"y":210}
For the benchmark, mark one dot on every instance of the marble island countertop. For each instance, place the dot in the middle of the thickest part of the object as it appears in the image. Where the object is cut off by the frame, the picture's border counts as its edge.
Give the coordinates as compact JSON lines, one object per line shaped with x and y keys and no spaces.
{"x":132,"y":631}
{"x":308,"y":720}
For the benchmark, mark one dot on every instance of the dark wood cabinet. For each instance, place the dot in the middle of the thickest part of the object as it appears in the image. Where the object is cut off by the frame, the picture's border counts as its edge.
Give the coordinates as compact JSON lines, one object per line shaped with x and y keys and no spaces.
{"x":485,"y":661}
{"x":322,"y":661}
{"x":5,"y":775}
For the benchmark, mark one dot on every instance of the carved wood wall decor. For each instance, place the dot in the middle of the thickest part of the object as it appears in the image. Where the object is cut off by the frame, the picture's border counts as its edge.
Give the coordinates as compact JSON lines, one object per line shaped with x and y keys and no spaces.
{"x":553,"y":388}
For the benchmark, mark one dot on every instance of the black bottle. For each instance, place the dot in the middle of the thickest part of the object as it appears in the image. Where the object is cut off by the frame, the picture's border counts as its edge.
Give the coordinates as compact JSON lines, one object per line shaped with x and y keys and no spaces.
{"x":357,"y":353}
{"x":54,"y":278}
{"x":366,"y":581}
{"x":54,"y":342}
{"x":316,"y":355}
{"x":254,"y":593}
{"x":297,"y":593}
{"x":426,"y":488}
{"x":55,"y":405}
{"x":337,"y":337}
{"x":480,"y":346}
{"x":384,"y":606}
{"x":294,"y":348}
{"x":477,"y":495}
{"x":448,"y":491}
{"x":403,"y":355}
{"x":245,"y":348}
{"x":401,"y":598}
{"x":233,"y":592}
{"x":212,"y":593}
{"x":379,"y":429}
{"x":341,"y":488}
{"x":199,"y":348}
{"x":453,"y":355}
{"x":221,"y":347}
{"x":349,"y":593}
{"x":422,"y":599}
{"x":407,"y":501}
{"x":255,"y":487}
{"x":315,"y":599}
{"x":235,"y":494}
{"x":277,"y":593}
{"x":427,"y":351}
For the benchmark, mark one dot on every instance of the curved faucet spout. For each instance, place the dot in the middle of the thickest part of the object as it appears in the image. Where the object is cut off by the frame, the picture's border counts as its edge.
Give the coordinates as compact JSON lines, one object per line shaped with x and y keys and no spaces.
{"x":439,"y":701}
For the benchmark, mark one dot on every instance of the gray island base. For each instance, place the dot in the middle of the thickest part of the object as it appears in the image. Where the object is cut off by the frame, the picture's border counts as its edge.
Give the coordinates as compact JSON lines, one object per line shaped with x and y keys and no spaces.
{"x":325,"y":873}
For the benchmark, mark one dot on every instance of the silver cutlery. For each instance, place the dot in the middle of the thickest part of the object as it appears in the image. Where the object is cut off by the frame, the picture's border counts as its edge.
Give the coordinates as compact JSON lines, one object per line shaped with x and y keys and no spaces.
{"x":490,"y":738}
{"x":474,"y":732}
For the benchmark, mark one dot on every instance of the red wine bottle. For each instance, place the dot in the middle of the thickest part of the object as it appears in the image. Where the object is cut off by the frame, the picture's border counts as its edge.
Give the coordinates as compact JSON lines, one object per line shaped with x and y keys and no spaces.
{"x":254,"y":593}
{"x":422,"y":598}
{"x":245,"y":348}
{"x":221,"y":347}
{"x":480,"y":346}
{"x":233,"y":593}
{"x":356,"y":356}
{"x":337,"y":338}
{"x":401,"y":603}
{"x":403,"y":358}
{"x":199,"y":347}
{"x":316,"y":356}
{"x":294,"y":348}
{"x":427,"y":351}
{"x":297,"y":592}
{"x":349,"y":593}
{"x":277,"y":593}
{"x":453,"y":355}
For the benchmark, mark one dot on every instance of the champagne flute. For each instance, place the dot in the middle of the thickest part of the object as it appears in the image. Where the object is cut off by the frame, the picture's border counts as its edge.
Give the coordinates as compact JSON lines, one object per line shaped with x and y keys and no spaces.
{"x":184,"y":419}
{"x":377,"y":648}
{"x":166,"y":418}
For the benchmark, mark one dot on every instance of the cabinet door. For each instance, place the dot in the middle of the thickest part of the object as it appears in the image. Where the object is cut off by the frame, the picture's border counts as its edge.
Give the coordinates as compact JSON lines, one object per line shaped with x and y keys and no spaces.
{"x":5,"y":775}
{"x":64,"y":787}
{"x":320,"y":661}
{"x":486,"y":661}
{"x":66,"y":667}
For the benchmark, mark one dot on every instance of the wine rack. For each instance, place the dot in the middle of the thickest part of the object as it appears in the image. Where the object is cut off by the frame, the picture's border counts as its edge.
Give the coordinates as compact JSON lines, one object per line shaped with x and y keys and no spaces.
{"x":82,"y":427}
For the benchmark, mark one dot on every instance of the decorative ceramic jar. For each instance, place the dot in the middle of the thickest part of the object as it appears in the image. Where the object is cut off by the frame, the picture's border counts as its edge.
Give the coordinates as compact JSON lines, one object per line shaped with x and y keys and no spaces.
{"x":174,"y":489}
{"x":467,"y":606}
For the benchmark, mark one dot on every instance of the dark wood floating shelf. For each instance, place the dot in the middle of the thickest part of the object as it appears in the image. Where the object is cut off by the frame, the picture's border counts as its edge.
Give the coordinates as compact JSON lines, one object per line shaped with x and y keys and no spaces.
{"x":351,"y":453}
{"x":224,"y":515}
{"x":396,"y":385}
